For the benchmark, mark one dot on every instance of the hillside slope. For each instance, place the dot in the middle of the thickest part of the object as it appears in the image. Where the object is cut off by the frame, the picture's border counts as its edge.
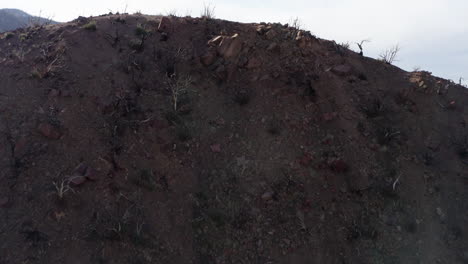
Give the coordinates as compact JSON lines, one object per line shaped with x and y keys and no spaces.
{"x":141,"y":139}
{"x":11,"y":19}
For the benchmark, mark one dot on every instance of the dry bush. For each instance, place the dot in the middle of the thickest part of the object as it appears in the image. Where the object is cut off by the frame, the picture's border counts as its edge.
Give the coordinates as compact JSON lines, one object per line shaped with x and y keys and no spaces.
{"x":178,"y":86}
{"x":296,"y":23}
{"x":208,"y":11}
{"x":345,"y":45}
{"x":172,"y":13}
{"x":360,"y":46}
{"x":389,"y":56}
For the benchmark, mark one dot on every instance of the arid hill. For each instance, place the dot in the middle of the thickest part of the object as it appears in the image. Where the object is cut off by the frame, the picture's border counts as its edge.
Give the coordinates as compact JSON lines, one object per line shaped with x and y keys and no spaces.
{"x":143,"y":139}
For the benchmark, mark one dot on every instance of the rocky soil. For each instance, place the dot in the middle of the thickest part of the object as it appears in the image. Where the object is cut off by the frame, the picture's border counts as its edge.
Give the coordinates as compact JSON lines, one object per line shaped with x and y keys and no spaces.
{"x":148,"y":139}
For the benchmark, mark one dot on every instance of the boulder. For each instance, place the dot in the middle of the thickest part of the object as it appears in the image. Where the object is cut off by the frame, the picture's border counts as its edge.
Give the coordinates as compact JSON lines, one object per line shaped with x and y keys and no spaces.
{"x":164,"y":24}
{"x":342,"y":70}
{"x":271,"y":34}
{"x":274,"y":47}
{"x":230,"y":46}
{"x":215,"y":41}
{"x":209,"y":57}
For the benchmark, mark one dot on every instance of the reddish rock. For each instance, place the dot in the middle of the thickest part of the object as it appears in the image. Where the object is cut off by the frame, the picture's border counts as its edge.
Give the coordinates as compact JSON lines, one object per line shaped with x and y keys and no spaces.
{"x":209,"y":58}
{"x":49,"y":131}
{"x":216,"y":148}
{"x":91,"y":174}
{"x":330,"y":116}
{"x":77,"y":180}
{"x":339,"y":166}
{"x":164,"y":24}
{"x":80,"y":170}
{"x":83,"y":171}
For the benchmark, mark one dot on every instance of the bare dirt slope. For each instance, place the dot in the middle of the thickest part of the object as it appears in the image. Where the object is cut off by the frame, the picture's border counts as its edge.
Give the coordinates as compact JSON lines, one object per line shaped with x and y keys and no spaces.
{"x":137,"y":139}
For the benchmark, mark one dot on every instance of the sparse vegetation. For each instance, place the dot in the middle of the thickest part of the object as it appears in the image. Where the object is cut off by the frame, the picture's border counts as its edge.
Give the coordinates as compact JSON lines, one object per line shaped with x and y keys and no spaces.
{"x":389,"y":56}
{"x":172,"y":13}
{"x":373,"y":108}
{"x":361,"y":46}
{"x":345,"y":45}
{"x":91,"y":26}
{"x":178,"y":86}
{"x":141,"y":31}
{"x":136,"y":44}
{"x":296,"y":24}
{"x":39,"y":21}
{"x":208,"y":11}
{"x":23,"y":36}
{"x":36,"y":74}
{"x":8,"y":35}
{"x":62,"y":187}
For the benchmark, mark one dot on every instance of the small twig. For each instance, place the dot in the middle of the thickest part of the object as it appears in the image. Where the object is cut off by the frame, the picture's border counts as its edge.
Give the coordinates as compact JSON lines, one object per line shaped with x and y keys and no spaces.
{"x":395,"y":182}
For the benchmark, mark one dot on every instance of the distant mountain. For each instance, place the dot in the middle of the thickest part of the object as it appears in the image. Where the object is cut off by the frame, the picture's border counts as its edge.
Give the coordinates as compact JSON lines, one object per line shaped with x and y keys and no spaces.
{"x":11,"y":19}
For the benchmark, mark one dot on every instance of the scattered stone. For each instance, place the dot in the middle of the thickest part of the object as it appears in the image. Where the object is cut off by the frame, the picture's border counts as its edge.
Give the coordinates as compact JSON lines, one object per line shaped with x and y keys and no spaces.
{"x":216,"y":148}
{"x":330,"y":116}
{"x":164,"y":24}
{"x":271,"y":34}
{"x":440,"y":213}
{"x":91,"y":174}
{"x":342,"y":69}
{"x":80,"y":170}
{"x":209,"y":58}
{"x":273,"y":47}
{"x":77,"y":180}
{"x":261,"y":29}
{"x":49,"y":131}
{"x":267,"y":196}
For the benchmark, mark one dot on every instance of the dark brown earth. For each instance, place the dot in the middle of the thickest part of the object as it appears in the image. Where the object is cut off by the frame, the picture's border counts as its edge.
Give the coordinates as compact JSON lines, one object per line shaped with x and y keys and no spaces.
{"x":122,"y":143}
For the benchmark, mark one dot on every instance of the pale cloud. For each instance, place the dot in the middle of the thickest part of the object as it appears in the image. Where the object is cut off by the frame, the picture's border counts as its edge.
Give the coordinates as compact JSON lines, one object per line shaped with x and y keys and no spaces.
{"x":433,"y":34}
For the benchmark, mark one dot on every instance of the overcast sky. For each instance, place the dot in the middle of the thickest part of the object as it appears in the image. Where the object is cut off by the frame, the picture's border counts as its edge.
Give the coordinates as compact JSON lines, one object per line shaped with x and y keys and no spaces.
{"x":432,"y":34}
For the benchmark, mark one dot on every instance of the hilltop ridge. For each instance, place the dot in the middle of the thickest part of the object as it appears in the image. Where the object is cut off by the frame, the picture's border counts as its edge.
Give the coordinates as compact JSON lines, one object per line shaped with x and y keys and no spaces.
{"x":161,"y":139}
